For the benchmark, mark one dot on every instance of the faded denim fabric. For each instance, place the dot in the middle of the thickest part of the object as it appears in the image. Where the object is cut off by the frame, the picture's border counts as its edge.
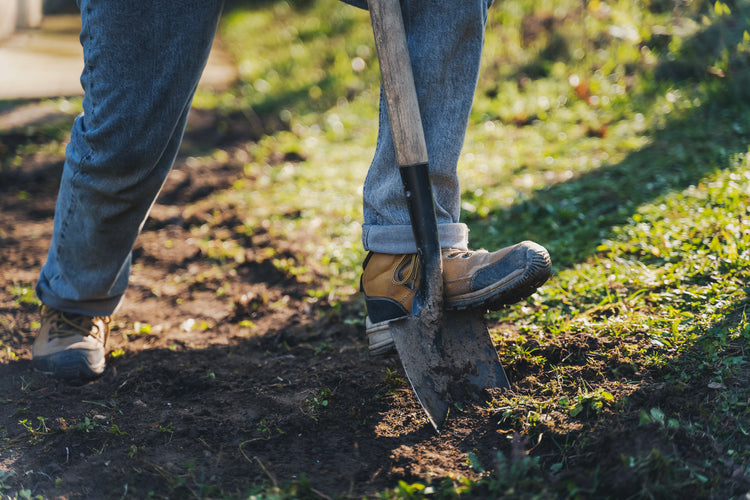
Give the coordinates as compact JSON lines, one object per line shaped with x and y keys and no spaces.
{"x":143,"y":61}
{"x":445,"y":44}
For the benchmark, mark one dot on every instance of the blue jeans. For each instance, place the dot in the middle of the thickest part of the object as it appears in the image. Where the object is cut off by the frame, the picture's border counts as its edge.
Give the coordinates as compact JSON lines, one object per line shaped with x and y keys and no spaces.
{"x":143,"y":61}
{"x":445,"y":41}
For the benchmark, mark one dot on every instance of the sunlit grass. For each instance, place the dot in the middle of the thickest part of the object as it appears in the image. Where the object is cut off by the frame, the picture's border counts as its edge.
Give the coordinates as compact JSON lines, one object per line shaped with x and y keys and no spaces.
{"x":614,"y":133}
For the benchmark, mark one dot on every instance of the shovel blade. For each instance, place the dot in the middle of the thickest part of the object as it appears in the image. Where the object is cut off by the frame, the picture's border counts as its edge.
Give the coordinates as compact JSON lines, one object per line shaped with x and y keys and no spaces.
{"x":448,"y":357}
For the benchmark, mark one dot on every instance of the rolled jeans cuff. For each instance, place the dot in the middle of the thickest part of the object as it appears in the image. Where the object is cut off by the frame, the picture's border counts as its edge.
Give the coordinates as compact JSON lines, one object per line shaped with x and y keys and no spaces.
{"x":400,"y":239}
{"x":92,"y":307}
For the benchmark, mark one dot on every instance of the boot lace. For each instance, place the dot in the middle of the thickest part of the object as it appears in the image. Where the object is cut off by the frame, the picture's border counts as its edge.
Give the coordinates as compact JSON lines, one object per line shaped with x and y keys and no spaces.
{"x":66,"y":325}
{"x":452,"y":253}
{"x":399,"y":278}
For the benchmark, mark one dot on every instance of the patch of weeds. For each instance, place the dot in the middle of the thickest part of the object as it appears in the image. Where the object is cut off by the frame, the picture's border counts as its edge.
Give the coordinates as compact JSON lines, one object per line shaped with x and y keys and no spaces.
{"x":408,"y":491}
{"x":659,"y":474}
{"x":266,"y":430}
{"x":315,"y":403}
{"x":522,"y":412}
{"x":192,"y":483}
{"x":594,"y":401}
{"x":37,"y":431}
{"x":301,"y":488}
{"x":517,"y":475}
{"x":222,"y":252}
{"x":87,"y":425}
{"x":517,"y":352}
{"x":290,"y":267}
{"x":24,"y":294}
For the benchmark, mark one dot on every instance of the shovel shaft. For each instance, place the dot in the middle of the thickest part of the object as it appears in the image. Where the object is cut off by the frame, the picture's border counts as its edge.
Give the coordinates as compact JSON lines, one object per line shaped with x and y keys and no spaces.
{"x":398,"y":81}
{"x":409,"y":143}
{"x":419,"y":200}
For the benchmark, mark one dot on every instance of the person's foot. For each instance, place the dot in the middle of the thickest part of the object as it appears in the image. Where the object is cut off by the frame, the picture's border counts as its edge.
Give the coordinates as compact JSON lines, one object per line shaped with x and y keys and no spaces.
{"x":471,"y":279}
{"x":70,"y":346}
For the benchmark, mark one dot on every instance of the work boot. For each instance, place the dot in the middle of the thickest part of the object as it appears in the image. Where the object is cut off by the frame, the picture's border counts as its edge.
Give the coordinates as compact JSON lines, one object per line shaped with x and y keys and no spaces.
{"x":70,"y":346}
{"x":471,"y":279}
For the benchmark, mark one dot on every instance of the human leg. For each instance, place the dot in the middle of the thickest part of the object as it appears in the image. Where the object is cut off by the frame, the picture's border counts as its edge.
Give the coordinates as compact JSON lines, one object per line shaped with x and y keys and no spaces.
{"x":445,"y":43}
{"x":143,"y":61}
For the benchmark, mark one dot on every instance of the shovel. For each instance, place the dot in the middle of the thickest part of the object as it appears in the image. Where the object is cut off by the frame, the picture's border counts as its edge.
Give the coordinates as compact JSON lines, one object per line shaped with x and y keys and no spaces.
{"x":448,"y":356}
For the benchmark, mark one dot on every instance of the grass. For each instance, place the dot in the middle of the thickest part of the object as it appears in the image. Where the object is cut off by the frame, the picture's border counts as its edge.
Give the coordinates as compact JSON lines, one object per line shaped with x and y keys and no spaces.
{"x":614,"y":133}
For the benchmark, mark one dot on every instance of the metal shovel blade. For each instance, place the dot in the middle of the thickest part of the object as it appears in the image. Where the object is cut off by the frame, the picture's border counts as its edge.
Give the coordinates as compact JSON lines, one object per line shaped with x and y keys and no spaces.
{"x":448,"y":361}
{"x":448,"y":356}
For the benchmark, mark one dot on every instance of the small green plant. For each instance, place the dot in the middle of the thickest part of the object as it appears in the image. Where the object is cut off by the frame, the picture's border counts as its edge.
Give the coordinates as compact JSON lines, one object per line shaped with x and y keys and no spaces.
{"x":37,"y":432}
{"x":26,"y":494}
{"x":315,"y":403}
{"x":87,"y":425}
{"x":409,"y":491}
{"x":117,"y":353}
{"x":115,"y":429}
{"x":167,"y":431}
{"x":657,"y":416}
{"x":321,"y":399}
{"x":25,"y":386}
{"x":24,"y":294}
{"x":4,"y":478}
{"x":323,"y":348}
{"x":393,"y":380}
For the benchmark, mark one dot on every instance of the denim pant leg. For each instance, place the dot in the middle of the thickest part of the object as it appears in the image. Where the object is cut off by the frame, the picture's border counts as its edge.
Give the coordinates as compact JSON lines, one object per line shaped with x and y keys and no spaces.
{"x":143,"y":61}
{"x":445,"y":43}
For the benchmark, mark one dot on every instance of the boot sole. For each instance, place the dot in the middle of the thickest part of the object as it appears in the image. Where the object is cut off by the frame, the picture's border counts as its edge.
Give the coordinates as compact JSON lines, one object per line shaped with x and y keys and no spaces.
{"x":73,"y":366}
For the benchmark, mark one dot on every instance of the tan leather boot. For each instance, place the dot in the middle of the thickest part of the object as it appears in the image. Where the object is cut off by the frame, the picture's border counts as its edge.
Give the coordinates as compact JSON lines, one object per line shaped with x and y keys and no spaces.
{"x":472,"y":279}
{"x":69,"y":346}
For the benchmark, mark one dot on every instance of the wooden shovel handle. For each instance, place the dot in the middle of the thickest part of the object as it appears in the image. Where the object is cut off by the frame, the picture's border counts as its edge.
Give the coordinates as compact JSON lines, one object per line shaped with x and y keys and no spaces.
{"x":398,"y":82}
